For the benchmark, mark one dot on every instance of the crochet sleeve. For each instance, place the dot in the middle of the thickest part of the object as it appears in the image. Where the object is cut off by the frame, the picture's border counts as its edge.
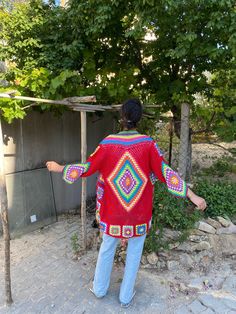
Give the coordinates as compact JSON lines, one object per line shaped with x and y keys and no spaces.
{"x":73,"y":172}
{"x":164,"y":173}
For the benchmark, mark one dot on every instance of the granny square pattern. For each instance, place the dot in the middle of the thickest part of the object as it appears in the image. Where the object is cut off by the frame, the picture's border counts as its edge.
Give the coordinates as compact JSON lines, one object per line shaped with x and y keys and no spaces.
{"x":174,"y":183}
{"x":103,"y":226}
{"x":98,"y":205}
{"x":127,"y":231}
{"x":127,"y":181}
{"x":115,"y":230}
{"x":153,"y":178}
{"x":100,"y":192}
{"x":72,"y":172}
{"x":141,"y":229}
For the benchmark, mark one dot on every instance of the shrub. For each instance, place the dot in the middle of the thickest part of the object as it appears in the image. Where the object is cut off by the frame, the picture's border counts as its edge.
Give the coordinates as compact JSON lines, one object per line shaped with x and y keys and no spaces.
{"x":220,"y":167}
{"x":170,"y":212}
{"x":220,"y":197}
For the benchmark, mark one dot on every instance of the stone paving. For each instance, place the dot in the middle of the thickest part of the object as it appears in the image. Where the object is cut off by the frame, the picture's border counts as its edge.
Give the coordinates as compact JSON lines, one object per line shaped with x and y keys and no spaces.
{"x":45,"y":279}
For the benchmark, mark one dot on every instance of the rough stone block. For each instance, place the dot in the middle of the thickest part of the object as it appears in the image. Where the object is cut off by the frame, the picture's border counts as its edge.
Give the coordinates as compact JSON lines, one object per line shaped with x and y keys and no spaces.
{"x":224,"y":222}
{"x":213,"y":223}
{"x":152,"y":258}
{"x":203,"y":226}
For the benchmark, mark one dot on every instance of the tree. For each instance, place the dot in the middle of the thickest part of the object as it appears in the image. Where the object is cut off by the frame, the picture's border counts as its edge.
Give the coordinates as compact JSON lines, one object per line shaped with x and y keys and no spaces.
{"x":101,"y":47}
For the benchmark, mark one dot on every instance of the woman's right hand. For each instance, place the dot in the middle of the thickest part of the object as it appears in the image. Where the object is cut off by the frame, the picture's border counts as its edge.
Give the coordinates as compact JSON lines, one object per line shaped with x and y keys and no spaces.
{"x":54,"y":166}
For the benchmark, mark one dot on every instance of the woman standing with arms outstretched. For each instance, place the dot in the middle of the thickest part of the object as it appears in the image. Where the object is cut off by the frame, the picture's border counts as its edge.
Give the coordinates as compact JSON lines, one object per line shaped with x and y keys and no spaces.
{"x":127,"y":162}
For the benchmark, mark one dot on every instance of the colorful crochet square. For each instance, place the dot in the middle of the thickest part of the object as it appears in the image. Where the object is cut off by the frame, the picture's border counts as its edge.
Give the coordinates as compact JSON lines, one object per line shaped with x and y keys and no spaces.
{"x":158,"y":150}
{"x":141,"y":229}
{"x":100,"y":192}
{"x":153,"y":178}
{"x":115,"y":230}
{"x":103,"y":226}
{"x":174,"y":183}
{"x":127,"y":181}
{"x":100,"y":179}
{"x":72,"y":172}
{"x":127,"y":231}
{"x":98,"y":205}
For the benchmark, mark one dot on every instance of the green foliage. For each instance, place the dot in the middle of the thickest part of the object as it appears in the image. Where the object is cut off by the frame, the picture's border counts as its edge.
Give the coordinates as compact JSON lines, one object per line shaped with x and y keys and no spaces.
{"x":169,"y":212}
{"x":11,"y":108}
{"x":220,"y":197}
{"x":220,"y":167}
{"x":104,"y":47}
{"x":75,"y":243}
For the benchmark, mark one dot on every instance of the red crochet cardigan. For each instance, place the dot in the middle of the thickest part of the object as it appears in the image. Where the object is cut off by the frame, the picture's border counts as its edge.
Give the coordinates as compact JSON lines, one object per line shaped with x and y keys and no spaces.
{"x":128,"y":163}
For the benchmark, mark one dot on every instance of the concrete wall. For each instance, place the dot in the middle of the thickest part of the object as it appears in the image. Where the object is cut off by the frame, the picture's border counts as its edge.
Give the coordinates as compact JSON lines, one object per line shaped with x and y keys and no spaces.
{"x":42,"y":137}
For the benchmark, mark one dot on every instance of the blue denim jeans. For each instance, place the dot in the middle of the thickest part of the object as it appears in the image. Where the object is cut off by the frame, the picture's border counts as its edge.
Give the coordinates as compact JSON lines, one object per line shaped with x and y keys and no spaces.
{"x":105,"y":262}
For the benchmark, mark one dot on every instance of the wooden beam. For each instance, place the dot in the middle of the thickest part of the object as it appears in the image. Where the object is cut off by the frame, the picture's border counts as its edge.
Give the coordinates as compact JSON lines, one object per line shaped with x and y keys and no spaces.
{"x":84,"y":180}
{"x":5,"y":224}
{"x":64,"y":102}
{"x":77,"y":99}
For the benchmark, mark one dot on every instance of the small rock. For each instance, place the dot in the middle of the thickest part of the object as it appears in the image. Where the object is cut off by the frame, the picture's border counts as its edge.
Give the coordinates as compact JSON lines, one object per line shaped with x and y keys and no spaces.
{"x":152,"y":258}
{"x":197,"y":232}
{"x":186,"y":247}
{"x":204,"y":245}
{"x":228,"y":230}
{"x":224,"y":222}
{"x":169,"y":234}
{"x":186,"y":260}
{"x":203,"y":226}
{"x":182,"y":287}
{"x":172,"y":265}
{"x":173,"y":245}
{"x":144,"y":260}
{"x":213,"y":223}
{"x":164,"y":254}
{"x":198,"y":238}
{"x":198,"y":257}
{"x":161,"y":265}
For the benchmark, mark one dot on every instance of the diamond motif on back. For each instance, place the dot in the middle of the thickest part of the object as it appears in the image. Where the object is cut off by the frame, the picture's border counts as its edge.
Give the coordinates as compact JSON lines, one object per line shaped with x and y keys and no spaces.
{"x":127,"y":181}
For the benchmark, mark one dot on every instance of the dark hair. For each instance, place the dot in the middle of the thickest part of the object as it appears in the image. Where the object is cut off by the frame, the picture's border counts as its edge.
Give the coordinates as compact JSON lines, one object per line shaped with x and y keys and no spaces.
{"x":131,"y":113}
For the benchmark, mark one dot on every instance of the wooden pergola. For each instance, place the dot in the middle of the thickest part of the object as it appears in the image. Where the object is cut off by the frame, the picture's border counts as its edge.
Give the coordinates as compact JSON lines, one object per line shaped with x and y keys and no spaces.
{"x":83,"y":104}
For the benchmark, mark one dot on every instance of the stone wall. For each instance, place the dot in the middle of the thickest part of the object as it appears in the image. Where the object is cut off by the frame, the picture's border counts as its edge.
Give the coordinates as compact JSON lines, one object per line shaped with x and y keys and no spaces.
{"x":211,"y":239}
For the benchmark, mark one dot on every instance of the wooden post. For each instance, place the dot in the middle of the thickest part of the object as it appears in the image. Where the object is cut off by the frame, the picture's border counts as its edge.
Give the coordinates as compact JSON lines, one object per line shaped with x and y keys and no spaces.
{"x":184,"y":140}
{"x":5,"y":224}
{"x":84,"y":180}
{"x":171,"y":131}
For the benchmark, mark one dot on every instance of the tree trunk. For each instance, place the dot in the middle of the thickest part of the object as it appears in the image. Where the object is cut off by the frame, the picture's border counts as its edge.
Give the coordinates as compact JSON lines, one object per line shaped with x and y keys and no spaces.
{"x":184,"y":140}
{"x":189,"y":158}
{"x":84,"y":180}
{"x":5,"y":224}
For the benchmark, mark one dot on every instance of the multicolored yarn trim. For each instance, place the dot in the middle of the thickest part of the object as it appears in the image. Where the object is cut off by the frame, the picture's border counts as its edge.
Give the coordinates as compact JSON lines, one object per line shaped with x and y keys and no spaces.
{"x":153,"y":178}
{"x":73,"y":172}
{"x":126,"y":139}
{"x":158,"y":150}
{"x":125,"y":231}
{"x":174,"y":183}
